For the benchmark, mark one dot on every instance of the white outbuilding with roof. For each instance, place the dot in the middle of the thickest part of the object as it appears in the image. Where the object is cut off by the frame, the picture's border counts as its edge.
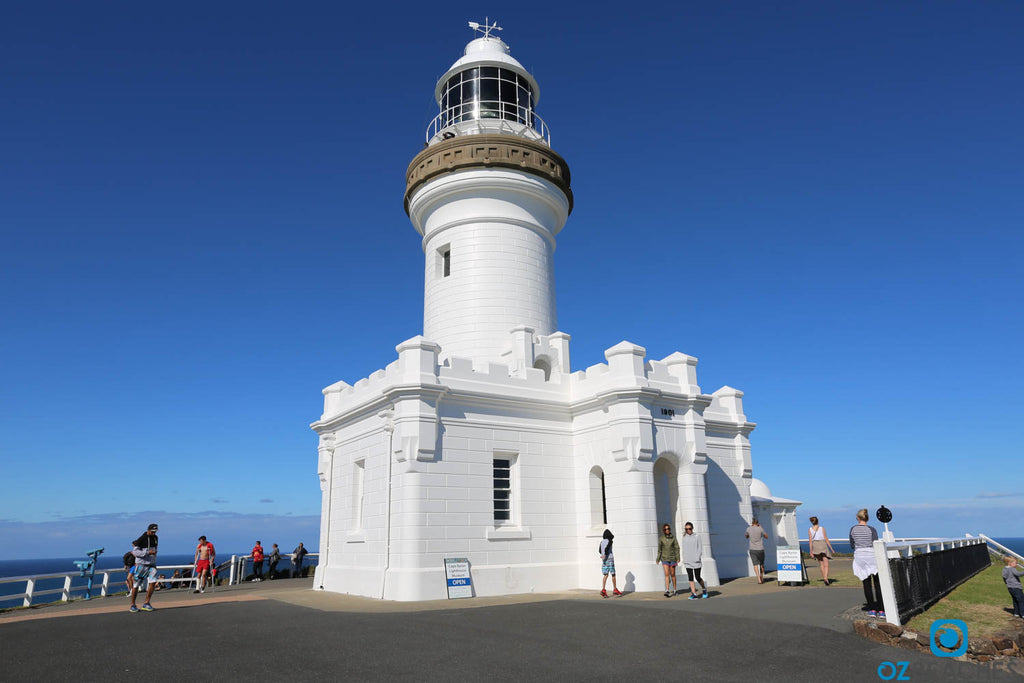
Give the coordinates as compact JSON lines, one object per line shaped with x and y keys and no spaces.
{"x":479,"y":441}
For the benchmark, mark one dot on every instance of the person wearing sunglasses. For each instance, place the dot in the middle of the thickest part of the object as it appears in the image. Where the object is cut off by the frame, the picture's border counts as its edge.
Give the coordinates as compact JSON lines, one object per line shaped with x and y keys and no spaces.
{"x":692,"y":550}
{"x":668,"y":557}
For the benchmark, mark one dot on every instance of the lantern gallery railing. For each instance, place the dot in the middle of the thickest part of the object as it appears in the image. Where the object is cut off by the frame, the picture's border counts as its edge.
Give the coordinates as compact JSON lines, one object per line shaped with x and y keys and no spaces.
{"x":489,"y":117}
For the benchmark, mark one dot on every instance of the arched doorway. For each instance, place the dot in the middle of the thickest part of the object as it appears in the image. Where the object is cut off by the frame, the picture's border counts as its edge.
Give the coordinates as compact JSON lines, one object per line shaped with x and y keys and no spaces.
{"x":666,"y":492}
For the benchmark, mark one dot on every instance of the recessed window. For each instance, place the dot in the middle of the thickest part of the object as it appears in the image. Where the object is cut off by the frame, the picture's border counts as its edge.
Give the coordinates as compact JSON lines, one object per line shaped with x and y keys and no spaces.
{"x":502,"y":491}
{"x":598,"y":502}
{"x":443,"y":261}
{"x":358,"y":476}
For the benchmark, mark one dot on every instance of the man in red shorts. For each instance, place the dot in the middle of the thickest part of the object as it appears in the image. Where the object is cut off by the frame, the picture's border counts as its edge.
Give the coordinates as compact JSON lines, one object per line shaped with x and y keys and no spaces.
{"x":205,"y":556}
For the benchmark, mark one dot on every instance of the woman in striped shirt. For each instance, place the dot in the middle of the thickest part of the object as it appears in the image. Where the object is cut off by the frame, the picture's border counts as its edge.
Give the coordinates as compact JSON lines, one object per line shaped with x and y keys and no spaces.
{"x":862,"y":538}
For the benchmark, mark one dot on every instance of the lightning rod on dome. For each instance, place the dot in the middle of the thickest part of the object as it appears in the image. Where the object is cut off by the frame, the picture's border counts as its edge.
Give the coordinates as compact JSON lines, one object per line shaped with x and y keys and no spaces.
{"x":486,"y":28}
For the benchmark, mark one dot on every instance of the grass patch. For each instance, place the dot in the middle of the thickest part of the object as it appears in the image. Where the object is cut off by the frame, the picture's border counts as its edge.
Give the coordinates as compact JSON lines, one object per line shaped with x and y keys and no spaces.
{"x":840,"y":573}
{"x":982,"y":602}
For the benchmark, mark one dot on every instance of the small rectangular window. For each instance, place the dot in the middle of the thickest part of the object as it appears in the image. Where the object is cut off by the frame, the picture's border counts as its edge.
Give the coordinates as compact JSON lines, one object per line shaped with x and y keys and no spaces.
{"x":502,"y":491}
{"x":446,"y":268}
{"x":358,"y":476}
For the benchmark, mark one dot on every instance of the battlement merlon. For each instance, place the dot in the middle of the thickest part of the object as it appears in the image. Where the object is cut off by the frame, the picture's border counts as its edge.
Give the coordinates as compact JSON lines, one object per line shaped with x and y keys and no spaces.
{"x":537,"y":370}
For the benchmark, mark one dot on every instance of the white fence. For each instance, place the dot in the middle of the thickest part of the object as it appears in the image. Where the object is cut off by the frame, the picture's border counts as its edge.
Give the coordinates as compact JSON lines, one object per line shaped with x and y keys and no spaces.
{"x":103,"y":587}
{"x":237,"y":565}
{"x":101,"y":582}
{"x":999,"y":548}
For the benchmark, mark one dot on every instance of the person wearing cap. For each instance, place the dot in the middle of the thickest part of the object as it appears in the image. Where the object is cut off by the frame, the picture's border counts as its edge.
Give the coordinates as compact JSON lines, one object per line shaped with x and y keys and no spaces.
{"x":144,"y":550}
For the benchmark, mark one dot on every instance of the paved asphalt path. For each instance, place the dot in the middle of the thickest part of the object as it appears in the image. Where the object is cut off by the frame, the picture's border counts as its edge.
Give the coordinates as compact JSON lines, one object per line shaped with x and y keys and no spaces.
{"x":773,"y":637}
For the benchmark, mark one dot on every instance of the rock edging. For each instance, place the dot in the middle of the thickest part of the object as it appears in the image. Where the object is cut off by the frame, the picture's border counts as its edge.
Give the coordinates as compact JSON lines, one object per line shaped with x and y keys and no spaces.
{"x":995,"y":648}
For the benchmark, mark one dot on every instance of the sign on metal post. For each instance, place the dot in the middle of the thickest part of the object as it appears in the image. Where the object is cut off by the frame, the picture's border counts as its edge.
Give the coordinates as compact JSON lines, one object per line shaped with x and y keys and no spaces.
{"x":456,"y":572}
{"x":790,"y":564}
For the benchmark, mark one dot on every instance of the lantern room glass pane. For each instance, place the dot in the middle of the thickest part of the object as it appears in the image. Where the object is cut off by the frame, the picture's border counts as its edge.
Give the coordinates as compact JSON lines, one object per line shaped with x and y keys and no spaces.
{"x":487,"y":93}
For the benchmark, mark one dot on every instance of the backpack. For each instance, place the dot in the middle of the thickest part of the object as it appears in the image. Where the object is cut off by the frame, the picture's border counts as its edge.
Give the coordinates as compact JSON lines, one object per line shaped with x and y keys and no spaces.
{"x":128,"y":559}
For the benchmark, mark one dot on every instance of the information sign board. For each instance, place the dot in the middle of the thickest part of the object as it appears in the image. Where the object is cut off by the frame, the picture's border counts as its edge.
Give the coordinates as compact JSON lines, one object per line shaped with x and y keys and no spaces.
{"x":790,"y":564}
{"x":456,"y":572}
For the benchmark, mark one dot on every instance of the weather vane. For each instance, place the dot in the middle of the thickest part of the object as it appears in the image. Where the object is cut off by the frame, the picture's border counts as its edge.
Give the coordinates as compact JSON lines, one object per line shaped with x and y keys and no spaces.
{"x":486,"y":28}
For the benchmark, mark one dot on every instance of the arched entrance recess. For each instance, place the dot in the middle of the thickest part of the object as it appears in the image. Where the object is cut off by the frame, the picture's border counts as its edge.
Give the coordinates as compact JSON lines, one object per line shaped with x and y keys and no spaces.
{"x":666,"y":492}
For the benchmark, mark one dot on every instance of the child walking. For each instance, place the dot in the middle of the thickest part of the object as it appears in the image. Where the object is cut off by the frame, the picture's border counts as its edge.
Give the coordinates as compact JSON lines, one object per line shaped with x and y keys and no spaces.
{"x":1011,"y":576}
{"x":608,"y":565}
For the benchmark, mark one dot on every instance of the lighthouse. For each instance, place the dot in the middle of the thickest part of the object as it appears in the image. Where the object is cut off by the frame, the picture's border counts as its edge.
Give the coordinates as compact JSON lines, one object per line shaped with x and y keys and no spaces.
{"x":479,"y":446}
{"x":488,"y":195}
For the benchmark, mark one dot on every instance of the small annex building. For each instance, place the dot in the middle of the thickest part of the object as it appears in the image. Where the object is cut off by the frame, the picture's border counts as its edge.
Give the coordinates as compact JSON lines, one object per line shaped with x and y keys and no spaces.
{"x":479,"y":441}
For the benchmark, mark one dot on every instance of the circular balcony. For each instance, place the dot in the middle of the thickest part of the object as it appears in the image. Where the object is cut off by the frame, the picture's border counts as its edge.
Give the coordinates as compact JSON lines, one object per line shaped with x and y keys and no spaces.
{"x":490,"y":117}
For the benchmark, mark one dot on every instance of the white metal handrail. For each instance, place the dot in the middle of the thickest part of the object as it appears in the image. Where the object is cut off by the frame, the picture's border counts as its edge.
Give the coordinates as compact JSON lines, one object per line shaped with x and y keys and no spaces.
{"x":31,"y":592}
{"x":504,"y":113}
{"x":1003,"y":550}
{"x":237,"y":565}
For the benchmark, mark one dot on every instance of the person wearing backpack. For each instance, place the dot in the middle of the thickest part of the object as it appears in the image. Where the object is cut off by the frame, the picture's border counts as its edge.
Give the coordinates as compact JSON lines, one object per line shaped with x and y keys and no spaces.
{"x":144,"y":548}
{"x":272,"y":560}
{"x":604,"y":549}
{"x":129,"y":570}
{"x":298,"y":555}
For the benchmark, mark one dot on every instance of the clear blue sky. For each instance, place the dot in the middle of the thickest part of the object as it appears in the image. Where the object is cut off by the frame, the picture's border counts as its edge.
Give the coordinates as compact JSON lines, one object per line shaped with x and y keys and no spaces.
{"x":202,"y":226}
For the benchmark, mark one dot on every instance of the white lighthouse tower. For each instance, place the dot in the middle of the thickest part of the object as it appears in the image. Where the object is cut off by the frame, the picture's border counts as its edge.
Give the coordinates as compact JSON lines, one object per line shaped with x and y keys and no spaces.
{"x":479,"y":442}
{"x":488,"y":195}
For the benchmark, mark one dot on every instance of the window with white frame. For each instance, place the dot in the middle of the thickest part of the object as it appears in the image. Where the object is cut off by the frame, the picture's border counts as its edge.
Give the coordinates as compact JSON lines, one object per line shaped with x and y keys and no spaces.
{"x":358,"y":477}
{"x":503,"y":465}
{"x":444,"y":261}
{"x":598,"y":502}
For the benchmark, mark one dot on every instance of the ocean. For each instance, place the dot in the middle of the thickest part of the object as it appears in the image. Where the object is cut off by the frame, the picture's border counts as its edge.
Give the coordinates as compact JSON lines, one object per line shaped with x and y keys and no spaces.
{"x":12,"y":594}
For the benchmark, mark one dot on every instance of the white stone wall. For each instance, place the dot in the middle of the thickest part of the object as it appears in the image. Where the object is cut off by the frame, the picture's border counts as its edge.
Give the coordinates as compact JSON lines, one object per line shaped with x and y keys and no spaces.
{"x":441,"y":425}
{"x":500,"y":228}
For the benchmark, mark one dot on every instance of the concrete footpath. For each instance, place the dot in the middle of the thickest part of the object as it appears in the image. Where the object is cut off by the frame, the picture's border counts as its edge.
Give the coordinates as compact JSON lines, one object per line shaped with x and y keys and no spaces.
{"x":285,"y":629}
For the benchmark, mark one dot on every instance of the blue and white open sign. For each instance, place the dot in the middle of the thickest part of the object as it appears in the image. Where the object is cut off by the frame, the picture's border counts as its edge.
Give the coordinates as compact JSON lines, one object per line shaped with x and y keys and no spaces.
{"x":456,"y":572}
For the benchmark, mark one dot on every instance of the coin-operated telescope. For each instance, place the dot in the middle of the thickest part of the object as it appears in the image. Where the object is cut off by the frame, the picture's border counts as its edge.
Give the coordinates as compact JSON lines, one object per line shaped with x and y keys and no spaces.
{"x":88,"y":568}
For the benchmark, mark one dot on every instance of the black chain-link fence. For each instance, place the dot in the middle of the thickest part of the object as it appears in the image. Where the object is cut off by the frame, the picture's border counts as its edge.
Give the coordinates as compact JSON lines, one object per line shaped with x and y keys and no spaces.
{"x":919,"y":581}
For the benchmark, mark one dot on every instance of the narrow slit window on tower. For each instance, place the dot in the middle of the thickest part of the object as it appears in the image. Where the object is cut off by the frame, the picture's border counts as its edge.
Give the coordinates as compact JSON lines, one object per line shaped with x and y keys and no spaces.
{"x":598,"y":498}
{"x":502,"y":491}
{"x":443,"y":261}
{"x":358,"y":499}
